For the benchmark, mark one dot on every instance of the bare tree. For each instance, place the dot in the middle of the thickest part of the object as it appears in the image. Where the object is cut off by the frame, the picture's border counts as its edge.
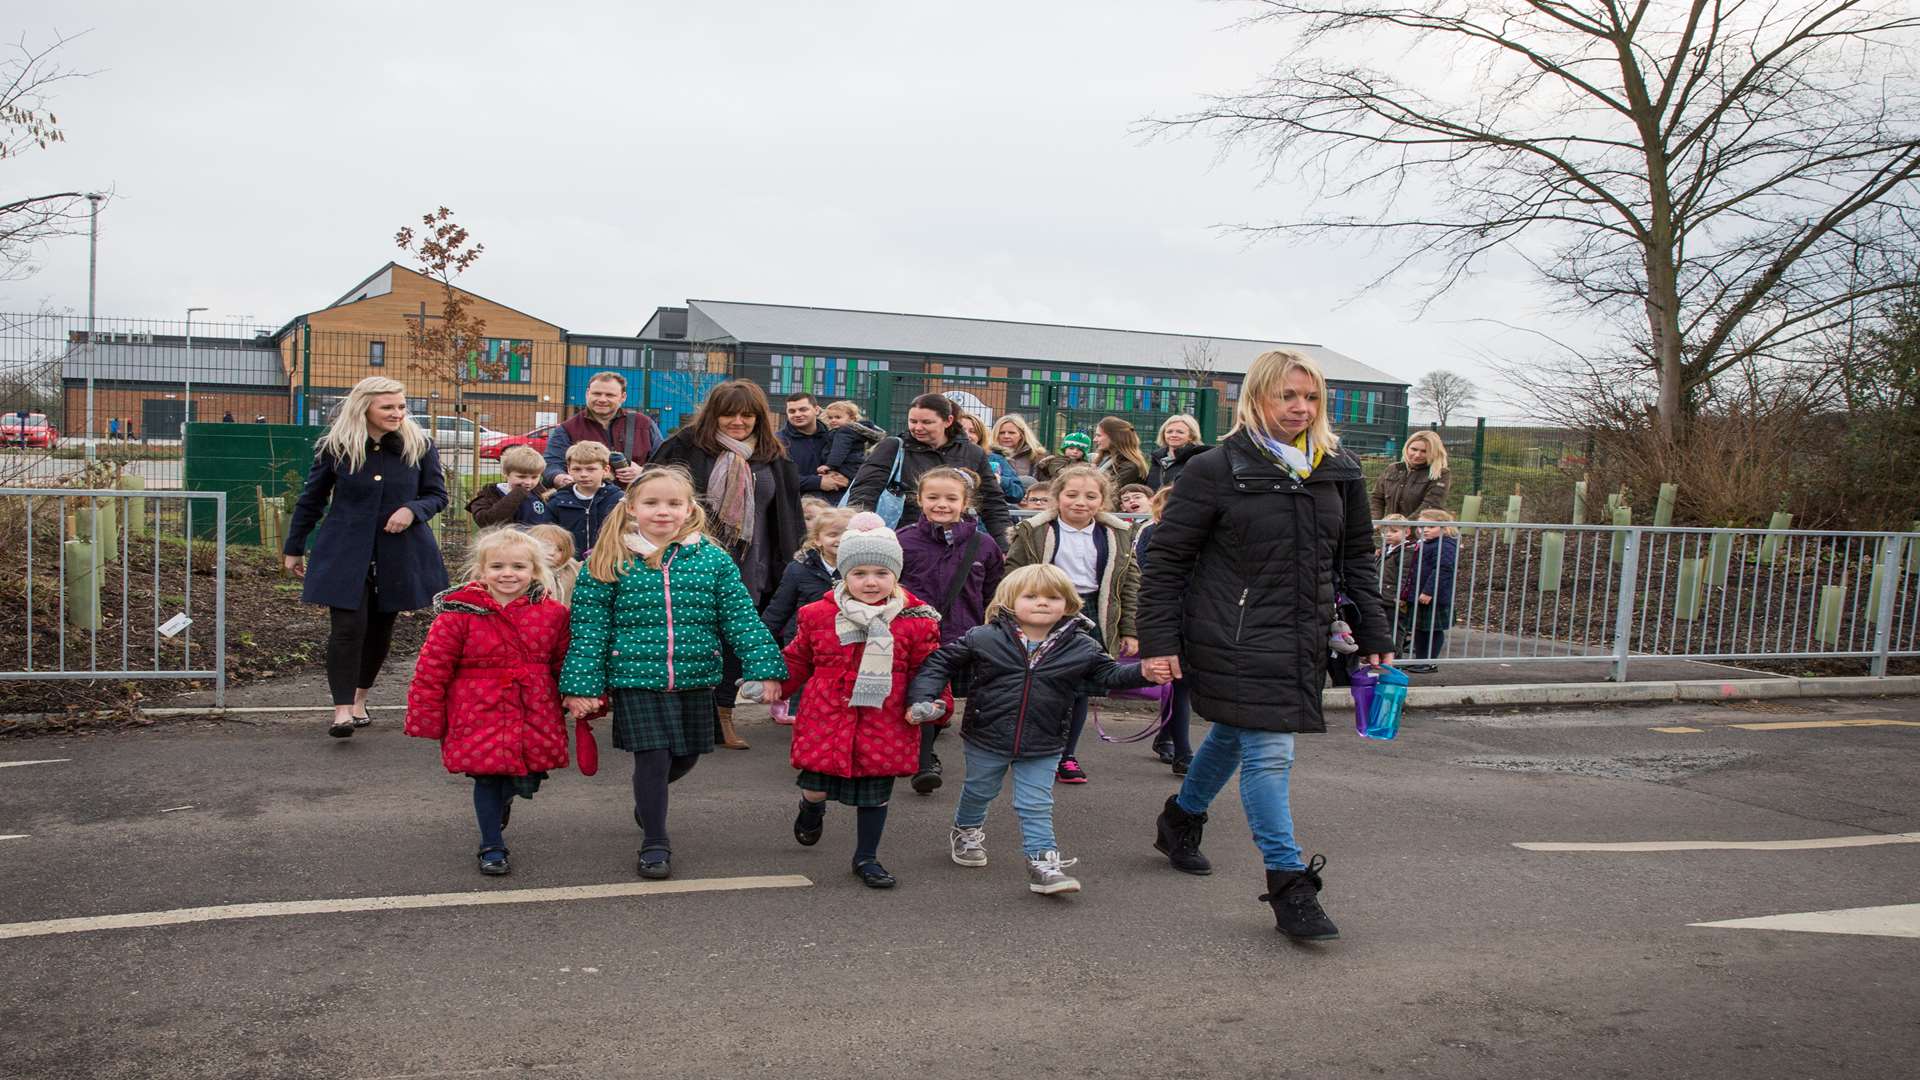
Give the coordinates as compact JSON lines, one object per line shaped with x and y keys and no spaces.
{"x":1198,"y":360}
{"x":1722,"y":178}
{"x":1442,"y":392}
{"x":27,"y":123}
{"x":451,"y":347}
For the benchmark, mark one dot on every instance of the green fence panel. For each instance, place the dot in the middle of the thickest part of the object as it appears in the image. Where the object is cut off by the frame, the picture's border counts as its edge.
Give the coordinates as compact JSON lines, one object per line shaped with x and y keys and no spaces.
{"x":236,"y":458}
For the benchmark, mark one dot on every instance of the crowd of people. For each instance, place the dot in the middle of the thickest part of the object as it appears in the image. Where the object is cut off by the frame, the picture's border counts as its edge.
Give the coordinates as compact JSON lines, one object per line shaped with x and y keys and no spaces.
{"x":860,"y":583}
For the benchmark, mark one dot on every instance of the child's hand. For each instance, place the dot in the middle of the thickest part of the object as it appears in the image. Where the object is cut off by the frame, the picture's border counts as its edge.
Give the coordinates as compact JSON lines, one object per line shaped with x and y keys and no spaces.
{"x":579,"y":708}
{"x":822,"y":471}
{"x":1158,"y":671}
{"x":1129,"y":646}
{"x":924,"y":712}
{"x":1426,"y":599}
{"x":760,"y":691}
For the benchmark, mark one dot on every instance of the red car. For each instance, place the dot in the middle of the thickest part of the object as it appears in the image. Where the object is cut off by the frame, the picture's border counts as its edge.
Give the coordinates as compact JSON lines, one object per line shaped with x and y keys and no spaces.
{"x":34,"y":431}
{"x":537,"y":438}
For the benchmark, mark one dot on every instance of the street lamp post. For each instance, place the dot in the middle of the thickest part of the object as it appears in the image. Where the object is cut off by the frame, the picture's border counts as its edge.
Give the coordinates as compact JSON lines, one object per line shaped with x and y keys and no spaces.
{"x":93,"y":253}
{"x":186,"y":413}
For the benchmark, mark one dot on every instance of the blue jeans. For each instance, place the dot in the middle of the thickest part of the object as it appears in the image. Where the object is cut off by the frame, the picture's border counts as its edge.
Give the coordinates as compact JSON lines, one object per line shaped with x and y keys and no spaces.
{"x":1264,"y":759}
{"x":1032,"y":794}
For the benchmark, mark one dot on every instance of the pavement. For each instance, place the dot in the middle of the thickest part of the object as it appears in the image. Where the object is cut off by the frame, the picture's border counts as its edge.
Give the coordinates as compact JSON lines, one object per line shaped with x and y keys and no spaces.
{"x":1462,"y":954}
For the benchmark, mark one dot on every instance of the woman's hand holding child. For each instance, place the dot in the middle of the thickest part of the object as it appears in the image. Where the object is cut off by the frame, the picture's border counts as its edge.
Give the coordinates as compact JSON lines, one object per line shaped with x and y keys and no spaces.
{"x":579,"y":708}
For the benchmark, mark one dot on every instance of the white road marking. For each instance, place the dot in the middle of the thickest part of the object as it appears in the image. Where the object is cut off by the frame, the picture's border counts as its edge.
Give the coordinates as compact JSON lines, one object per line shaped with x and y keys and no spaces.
{"x":42,"y":761}
{"x":1894,"y":920}
{"x":14,"y":836}
{"x":140,"y":919}
{"x":171,"y":809}
{"x":1870,"y":840}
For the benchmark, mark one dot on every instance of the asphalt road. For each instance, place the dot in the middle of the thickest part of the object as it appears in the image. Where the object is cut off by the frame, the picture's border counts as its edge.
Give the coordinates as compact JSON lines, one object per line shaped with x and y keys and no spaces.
{"x":1462,"y":955}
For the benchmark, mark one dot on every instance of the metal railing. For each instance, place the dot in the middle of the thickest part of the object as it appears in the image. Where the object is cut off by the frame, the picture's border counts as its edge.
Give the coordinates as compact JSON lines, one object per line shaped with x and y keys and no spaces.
{"x":1518,"y":593}
{"x":99,"y":568}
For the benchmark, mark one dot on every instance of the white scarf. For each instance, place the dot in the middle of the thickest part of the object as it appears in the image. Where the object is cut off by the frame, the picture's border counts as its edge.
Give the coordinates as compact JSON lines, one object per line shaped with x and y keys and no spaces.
{"x":873,"y":624}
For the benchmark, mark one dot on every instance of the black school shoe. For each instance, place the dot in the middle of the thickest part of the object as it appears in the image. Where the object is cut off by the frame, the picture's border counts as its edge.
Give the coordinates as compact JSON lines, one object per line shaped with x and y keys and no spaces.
{"x":810,"y":822}
{"x":1163,"y":749}
{"x":655,"y":865}
{"x":927,"y":780}
{"x":493,"y":861}
{"x":873,"y":875}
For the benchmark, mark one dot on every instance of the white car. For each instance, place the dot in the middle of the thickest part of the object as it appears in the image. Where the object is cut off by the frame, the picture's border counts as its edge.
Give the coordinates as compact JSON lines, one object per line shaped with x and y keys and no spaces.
{"x":456,"y":431}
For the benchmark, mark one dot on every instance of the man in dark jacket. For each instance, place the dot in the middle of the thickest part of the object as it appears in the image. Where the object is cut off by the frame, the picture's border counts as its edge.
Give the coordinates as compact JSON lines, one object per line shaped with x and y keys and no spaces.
{"x":633,"y":434}
{"x":805,"y":438}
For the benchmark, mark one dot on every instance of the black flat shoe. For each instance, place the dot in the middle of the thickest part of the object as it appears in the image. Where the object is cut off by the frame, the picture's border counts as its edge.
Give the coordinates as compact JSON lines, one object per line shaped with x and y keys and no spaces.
{"x":655,"y":865}
{"x":1163,"y":749}
{"x":497,"y":866}
{"x":340,"y":729}
{"x":927,"y":780}
{"x":873,"y":875}
{"x":810,"y":822}
{"x":362,"y":721}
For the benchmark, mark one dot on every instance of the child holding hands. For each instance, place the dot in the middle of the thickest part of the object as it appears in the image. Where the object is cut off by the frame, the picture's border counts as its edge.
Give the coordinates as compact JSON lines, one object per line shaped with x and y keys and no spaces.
{"x":484,"y":684}
{"x":855,"y":651}
{"x":1035,"y":653}
{"x":649,"y":617}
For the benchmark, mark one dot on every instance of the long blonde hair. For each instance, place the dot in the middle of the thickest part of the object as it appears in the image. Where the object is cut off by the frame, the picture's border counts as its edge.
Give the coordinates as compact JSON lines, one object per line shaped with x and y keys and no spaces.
{"x":1122,"y":442}
{"x":610,"y":557}
{"x":346,"y":438}
{"x":507,"y":536}
{"x":1266,"y":378}
{"x":1436,"y":452}
{"x":1029,"y":439}
{"x":560,"y":539}
{"x":833,"y":517}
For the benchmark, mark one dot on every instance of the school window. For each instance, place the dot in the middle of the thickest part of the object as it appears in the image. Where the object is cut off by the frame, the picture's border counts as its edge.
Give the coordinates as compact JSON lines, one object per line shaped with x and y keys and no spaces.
{"x":505,"y":361}
{"x":376,"y":354}
{"x":608,"y":356}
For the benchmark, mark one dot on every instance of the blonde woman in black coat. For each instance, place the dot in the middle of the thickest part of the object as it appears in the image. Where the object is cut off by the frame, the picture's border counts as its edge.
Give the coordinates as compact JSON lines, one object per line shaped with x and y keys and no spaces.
{"x":1238,"y":597}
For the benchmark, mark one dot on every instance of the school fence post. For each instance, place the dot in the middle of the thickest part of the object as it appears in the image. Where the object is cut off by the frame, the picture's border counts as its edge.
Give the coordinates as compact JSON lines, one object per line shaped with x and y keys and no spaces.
{"x":1623,"y":616}
{"x":880,"y":403}
{"x":1049,"y":417}
{"x":1889,"y":574}
{"x":1479,"y":454}
{"x":1206,"y":411}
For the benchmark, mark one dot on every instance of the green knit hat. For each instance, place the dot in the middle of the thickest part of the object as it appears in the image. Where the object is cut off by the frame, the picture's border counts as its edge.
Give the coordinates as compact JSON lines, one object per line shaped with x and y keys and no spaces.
{"x":1077,"y":439}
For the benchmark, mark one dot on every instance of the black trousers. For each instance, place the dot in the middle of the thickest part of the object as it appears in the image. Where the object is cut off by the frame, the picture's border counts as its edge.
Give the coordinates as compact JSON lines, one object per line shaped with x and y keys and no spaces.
{"x":357,"y":644}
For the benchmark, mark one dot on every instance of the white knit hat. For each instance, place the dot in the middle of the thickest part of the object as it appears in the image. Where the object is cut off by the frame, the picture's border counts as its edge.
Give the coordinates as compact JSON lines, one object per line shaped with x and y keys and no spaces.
{"x":868,"y":542}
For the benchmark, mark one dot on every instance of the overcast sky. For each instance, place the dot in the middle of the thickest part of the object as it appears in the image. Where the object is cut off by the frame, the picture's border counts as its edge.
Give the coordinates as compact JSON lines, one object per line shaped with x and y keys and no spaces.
{"x":980,"y":160}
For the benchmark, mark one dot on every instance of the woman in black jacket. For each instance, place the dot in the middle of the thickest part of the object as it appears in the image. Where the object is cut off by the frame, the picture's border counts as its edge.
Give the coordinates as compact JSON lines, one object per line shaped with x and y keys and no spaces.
{"x":751,"y":492}
{"x":1179,"y":443}
{"x":1258,"y":534}
{"x":933,"y":439}
{"x":376,"y":478}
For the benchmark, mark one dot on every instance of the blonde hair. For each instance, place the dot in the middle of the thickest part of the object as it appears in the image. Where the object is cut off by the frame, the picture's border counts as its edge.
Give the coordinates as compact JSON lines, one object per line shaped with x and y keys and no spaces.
{"x":1436,"y":451}
{"x":501,"y":537}
{"x":974,"y":427}
{"x":828,"y":520}
{"x":1192,"y":425}
{"x":557,"y":537}
{"x":1438,"y":517}
{"x":588,"y":453}
{"x":522,"y":459}
{"x":851,"y":410}
{"x":1267,"y":378}
{"x":347,"y":437}
{"x":1122,"y":442}
{"x":1157,"y":505}
{"x":966,"y":478}
{"x":1041,"y":579}
{"x":1085,"y":472}
{"x":1029,"y":439}
{"x":610,"y":558}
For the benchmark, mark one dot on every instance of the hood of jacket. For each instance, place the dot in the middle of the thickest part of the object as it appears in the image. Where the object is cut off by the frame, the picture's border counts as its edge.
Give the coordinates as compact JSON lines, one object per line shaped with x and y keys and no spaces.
{"x":1045,"y":519}
{"x":472,"y":598}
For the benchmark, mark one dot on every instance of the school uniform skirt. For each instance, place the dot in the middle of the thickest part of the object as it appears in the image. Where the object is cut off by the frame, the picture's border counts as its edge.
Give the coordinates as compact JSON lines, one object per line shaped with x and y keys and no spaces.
{"x":679,"y":722}
{"x":848,"y":790}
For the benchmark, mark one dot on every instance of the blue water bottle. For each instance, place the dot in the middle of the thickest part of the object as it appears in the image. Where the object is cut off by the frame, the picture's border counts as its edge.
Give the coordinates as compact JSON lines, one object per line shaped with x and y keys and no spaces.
{"x":1389,"y":696}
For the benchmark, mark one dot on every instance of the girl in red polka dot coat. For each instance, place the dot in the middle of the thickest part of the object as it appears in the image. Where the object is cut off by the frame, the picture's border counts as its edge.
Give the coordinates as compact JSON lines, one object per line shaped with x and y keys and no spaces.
{"x":486,"y":684}
{"x":855,"y":652}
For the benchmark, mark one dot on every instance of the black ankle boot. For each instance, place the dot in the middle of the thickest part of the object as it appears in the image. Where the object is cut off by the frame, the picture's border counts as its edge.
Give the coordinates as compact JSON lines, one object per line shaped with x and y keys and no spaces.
{"x":1295,"y":896}
{"x":1177,"y":836}
{"x":810,"y":822}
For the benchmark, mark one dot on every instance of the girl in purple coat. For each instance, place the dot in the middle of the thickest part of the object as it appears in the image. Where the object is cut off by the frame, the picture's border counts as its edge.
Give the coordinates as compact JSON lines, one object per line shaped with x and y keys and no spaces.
{"x":951,"y":563}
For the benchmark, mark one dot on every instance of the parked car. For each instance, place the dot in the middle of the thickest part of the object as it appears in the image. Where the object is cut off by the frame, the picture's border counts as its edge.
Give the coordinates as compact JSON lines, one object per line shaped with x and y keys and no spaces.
{"x":537,"y":438}
{"x":456,"y":431}
{"x":33,"y":431}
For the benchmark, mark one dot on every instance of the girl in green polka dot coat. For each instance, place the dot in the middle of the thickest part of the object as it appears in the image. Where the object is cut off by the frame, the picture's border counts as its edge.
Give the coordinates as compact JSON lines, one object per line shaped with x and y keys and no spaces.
{"x":650,"y":615}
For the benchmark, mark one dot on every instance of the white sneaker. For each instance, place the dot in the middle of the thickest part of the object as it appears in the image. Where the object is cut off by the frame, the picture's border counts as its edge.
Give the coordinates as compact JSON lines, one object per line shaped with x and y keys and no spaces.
{"x":969,"y":846}
{"x":1046,"y":874}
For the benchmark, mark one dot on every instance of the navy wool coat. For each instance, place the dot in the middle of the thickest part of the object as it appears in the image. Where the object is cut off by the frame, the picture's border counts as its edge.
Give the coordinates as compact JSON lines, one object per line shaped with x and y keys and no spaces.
{"x":352,"y":543}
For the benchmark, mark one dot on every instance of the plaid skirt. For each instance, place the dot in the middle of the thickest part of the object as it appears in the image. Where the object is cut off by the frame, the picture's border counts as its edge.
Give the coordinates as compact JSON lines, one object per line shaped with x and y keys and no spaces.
{"x":849,"y":791}
{"x":679,"y":722}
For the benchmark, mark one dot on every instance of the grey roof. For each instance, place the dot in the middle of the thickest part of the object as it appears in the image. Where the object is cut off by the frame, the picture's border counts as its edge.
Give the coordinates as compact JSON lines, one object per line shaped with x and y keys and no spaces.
{"x":217,"y":362}
{"x":945,"y":335}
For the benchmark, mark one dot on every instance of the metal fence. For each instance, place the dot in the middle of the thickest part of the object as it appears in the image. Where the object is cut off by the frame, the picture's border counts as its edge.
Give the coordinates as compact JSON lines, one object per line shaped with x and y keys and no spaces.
{"x":1517,"y":593}
{"x":105,"y":585}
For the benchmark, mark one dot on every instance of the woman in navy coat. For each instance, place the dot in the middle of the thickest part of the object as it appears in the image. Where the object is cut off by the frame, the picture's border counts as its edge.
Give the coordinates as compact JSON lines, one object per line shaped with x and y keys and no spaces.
{"x":373,"y":556}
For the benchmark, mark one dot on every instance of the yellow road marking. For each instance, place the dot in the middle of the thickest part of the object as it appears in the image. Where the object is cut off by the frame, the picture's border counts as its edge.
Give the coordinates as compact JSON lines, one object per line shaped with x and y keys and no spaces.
{"x":1677,"y":730}
{"x":1817,"y":843}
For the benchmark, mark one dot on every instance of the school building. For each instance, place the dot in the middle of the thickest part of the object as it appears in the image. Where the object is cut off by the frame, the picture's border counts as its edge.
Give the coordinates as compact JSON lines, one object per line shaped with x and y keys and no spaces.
{"x":530,"y":372}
